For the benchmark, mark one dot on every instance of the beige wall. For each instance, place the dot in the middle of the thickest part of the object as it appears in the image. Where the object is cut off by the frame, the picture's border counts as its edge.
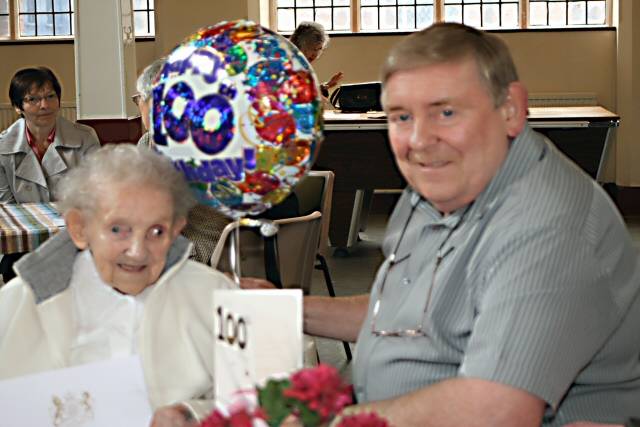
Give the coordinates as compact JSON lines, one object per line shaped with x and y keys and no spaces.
{"x":582,"y":61}
{"x":547,"y":61}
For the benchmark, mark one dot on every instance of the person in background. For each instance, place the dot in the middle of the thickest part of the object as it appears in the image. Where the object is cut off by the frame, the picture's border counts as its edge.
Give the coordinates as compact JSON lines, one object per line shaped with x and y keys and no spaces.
{"x":312,"y":40}
{"x":116,"y":283}
{"x":39,"y":148}
{"x":204,"y":223}
{"x":510,"y":290}
{"x":144,"y":97}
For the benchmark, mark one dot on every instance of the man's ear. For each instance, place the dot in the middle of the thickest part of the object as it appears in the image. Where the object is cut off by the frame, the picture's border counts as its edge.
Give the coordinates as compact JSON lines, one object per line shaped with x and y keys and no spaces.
{"x":178,"y":225}
{"x":514,"y":108}
{"x":76,"y":228}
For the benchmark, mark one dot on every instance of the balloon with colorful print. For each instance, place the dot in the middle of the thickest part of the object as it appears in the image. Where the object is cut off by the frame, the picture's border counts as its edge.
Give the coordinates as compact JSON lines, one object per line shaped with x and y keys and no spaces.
{"x":238,"y":110}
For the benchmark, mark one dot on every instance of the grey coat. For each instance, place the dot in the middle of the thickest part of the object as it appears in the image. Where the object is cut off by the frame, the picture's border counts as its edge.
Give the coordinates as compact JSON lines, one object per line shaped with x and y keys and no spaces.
{"x":22,"y":178}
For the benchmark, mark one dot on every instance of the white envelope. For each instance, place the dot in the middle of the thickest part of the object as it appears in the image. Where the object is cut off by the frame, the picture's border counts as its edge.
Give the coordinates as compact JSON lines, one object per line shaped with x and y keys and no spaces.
{"x":103,"y":394}
{"x":258,"y":334}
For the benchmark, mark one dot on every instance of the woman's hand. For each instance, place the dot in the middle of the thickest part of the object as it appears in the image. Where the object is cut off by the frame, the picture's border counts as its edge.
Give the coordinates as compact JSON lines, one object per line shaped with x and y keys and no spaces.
{"x":173,"y":416}
{"x":333,"y":81}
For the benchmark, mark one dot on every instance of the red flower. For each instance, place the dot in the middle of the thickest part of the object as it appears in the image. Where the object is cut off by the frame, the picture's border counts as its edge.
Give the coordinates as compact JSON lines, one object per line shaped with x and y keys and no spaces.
{"x":363,"y":420}
{"x":241,"y":417}
{"x":321,"y":388}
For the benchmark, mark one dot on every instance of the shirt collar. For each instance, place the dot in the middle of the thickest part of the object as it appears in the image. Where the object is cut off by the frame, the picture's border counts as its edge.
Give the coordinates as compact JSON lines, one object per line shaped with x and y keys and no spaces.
{"x":32,"y":143}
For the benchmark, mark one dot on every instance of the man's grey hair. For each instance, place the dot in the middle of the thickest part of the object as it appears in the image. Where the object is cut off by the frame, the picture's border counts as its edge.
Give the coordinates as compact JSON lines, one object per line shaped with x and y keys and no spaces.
{"x":144,"y":84}
{"x":451,"y":42}
{"x":308,"y":35}
{"x":122,"y":164}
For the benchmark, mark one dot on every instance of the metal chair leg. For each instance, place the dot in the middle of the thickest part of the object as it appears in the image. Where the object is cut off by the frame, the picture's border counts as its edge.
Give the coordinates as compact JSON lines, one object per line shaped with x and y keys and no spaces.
{"x":327,"y":279}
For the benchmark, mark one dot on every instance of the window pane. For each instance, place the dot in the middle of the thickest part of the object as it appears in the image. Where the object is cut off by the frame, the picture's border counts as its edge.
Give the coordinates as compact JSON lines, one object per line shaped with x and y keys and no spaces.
{"x":140,"y":23}
{"x":323,"y":2}
{"x":406,"y":17}
{"x":596,"y":13}
{"x":45,"y":25}
{"x":341,"y":18}
{"x":285,"y":3}
{"x":387,"y":2}
{"x":323,"y":17}
{"x":27,"y":25}
{"x":578,"y":13}
{"x":425,"y":16}
{"x":305,"y":15}
{"x":139,"y":4}
{"x":538,"y":14}
{"x":152,"y":6}
{"x":369,"y":18}
{"x":286,"y":20}
{"x":405,"y":1}
{"x":472,"y":15}
{"x":63,"y":24}
{"x":4,"y":26}
{"x":152,"y":24}
{"x":304,"y":3}
{"x":368,"y":2}
{"x":43,"y":6}
{"x":27,"y":6}
{"x":453,"y":14}
{"x":491,"y":15}
{"x":61,"y":5}
{"x":388,"y":18}
{"x":341,"y":3}
{"x":510,"y":16}
{"x":557,"y":14}
{"x":4,"y":6}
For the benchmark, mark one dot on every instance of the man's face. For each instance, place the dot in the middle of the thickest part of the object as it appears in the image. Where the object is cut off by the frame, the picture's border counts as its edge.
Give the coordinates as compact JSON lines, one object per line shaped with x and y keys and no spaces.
{"x":129,"y":235}
{"x":40,"y":107}
{"x":448,"y":138}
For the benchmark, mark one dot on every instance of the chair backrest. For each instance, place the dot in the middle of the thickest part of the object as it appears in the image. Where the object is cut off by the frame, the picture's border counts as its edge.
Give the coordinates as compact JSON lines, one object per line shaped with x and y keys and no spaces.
{"x":296,"y":244}
{"x":315,"y":192}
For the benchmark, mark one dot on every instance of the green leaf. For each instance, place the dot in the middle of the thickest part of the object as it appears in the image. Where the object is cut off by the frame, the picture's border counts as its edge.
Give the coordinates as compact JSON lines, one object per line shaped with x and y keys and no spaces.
{"x":273,"y":401}
{"x":308,"y":417}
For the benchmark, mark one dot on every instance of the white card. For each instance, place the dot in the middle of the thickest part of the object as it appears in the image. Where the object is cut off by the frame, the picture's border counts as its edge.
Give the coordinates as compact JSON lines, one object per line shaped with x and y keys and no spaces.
{"x":258,"y":335}
{"x":104,"y":394}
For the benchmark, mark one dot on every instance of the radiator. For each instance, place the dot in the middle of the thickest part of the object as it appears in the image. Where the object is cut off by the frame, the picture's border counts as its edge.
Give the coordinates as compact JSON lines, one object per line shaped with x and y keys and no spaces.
{"x":8,"y":114}
{"x":562,"y":99}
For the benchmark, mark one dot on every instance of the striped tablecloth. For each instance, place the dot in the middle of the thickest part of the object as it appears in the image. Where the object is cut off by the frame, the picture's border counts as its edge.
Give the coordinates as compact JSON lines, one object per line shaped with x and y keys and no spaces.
{"x":25,"y":226}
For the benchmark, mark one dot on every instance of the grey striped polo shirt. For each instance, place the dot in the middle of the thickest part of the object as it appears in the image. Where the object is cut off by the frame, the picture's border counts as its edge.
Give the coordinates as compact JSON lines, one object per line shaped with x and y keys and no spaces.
{"x":538,"y":289}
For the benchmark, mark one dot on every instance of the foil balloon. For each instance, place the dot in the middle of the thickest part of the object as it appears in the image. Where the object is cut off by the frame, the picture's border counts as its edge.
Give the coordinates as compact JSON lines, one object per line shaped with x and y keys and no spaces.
{"x":237,"y":109}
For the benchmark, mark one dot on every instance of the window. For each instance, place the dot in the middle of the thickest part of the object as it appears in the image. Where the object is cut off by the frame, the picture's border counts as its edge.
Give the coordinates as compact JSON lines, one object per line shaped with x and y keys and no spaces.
{"x":408,"y":15}
{"x":144,"y":18}
{"x":30,"y":19}
{"x":556,"y":13}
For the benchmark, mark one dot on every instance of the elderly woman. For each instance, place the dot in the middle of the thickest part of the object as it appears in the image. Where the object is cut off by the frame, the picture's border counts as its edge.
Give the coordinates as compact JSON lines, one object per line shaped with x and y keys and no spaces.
{"x":312,"y":40}
{"x":118,"y":282}
{"x":40,"y":147}
{"x":144,"y":97}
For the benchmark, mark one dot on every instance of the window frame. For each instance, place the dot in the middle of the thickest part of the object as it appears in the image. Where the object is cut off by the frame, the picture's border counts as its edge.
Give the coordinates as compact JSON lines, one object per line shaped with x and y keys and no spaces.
{"x":14,"y":28}
{"x":439,"y":7}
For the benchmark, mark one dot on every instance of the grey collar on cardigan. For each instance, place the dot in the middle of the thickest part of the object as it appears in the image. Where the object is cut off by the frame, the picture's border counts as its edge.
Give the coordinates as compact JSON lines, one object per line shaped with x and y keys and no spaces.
{"x":48,"y":270}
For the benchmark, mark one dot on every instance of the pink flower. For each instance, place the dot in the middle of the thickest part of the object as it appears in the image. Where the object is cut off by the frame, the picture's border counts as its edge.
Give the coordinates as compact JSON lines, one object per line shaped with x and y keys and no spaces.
{"x":321,"y":388}
{"x":364,"y":419}
{"x":240,"y":417}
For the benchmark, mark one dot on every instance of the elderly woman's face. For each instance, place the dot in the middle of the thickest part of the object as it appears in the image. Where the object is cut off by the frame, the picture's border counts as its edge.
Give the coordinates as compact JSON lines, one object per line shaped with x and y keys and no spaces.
{"x":129,"y":235}
{"x":313,"y":52}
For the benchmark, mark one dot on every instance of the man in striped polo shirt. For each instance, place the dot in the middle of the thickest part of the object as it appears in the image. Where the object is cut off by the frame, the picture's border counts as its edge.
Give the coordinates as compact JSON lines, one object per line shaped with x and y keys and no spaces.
{"x":510,"y":291}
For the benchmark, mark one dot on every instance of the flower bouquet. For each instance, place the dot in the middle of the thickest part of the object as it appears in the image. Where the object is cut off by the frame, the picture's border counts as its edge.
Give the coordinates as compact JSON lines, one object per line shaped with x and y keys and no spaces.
{"x":313,"y":396}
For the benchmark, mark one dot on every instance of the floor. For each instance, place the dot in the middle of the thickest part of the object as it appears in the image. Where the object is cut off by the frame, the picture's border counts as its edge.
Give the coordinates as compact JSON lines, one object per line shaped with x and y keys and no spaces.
{"x":354,"y":274}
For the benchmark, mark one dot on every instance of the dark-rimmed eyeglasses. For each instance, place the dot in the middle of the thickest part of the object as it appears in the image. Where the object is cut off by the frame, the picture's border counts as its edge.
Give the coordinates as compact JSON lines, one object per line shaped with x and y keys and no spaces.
{"x":418,"y":330}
